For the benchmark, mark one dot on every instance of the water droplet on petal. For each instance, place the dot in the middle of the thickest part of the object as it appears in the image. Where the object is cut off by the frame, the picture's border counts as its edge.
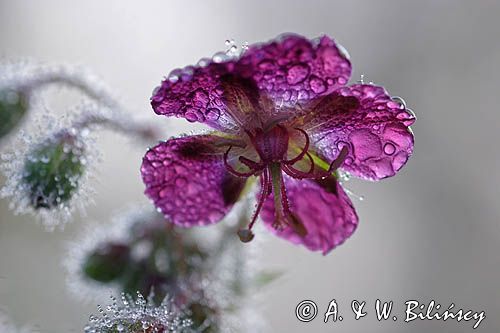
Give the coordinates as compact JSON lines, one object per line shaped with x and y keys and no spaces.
{"x":191,"y":115}
{"x":341,"y":80}
{"x":389,"y":148}
{"x":297,"y":73}
{"x":317,"y":85}
{"x":212,"y":114}
{"x":343,"y":51}
{"x":400,"y":100}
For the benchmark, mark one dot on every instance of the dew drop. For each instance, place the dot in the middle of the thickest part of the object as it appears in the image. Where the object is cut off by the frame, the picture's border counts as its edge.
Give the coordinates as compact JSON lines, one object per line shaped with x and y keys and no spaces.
{"x":297,"y":73}
{"x":342,"y":80}
{"x":410,"y":111}
{"x":220,"y":57}
{"x":155,"y":90}
{"x":180,"y":182}
{"x":389,"y":148}
{"x":343,"y":51}
{"x":266,"y":64}
{"x":191,"y":116}
{"x":400,"y":100}
{"x":361,"y":79}
{"x":317,"y":85}
{"x":213,"y":114}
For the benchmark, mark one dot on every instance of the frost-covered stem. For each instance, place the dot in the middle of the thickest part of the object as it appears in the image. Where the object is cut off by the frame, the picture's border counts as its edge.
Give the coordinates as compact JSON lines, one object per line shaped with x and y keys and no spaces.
{"x":108,"y":111}
{"x":66,"y":75}
{"x":143,"y":131}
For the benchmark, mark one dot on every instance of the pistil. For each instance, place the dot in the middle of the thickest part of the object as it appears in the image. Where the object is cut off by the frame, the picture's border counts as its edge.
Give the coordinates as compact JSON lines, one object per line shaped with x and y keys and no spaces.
{"x":281,"y":207}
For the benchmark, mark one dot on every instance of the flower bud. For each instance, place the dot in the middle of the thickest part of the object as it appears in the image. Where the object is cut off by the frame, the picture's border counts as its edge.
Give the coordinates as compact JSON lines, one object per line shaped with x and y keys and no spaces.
{"x":52,"y":171}
{"x":107,"y":262}
{"x":13,"y":106}
{"x":138,"y":251}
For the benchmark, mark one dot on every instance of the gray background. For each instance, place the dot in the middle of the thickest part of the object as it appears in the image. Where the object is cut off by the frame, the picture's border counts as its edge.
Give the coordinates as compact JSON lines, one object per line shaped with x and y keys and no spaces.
{"x":431,"y":232}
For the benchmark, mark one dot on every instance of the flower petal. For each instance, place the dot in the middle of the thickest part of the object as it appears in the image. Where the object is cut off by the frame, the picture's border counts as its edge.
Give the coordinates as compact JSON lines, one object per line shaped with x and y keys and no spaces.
{"x":293,"y":68}
{"x":230,"y":94}
{"x":323,"y":209}
{"x":374,"y":127}
{"x":186,"y":179}
{"x":195,"y":93}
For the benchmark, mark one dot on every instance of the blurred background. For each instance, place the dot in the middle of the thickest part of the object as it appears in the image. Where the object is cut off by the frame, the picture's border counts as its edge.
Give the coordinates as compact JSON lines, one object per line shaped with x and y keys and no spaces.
{"x":431,"y":232}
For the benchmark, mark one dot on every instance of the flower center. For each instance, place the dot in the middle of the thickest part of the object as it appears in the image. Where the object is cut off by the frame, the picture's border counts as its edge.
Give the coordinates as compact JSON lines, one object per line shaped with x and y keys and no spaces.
{"x":271,"y":145}
{"x":272,"y":148}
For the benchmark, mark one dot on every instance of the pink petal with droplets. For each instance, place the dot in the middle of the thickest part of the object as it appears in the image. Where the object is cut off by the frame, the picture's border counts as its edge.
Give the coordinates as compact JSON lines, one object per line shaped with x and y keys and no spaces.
{"x":323,"y":208}
{"x":196,"y":94}
{"x":187,"y":180}
{"x":373,"y":126}
{"x":289,"y":69}
{"x":293,"y":68}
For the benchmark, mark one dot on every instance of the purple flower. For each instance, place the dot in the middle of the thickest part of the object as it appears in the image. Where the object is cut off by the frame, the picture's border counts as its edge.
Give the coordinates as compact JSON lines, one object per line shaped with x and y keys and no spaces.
{"x":283,"y":113}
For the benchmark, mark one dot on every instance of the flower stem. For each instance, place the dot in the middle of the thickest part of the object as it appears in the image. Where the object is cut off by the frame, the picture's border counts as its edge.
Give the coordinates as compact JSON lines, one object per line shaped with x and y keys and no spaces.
{"x":99,"y":117}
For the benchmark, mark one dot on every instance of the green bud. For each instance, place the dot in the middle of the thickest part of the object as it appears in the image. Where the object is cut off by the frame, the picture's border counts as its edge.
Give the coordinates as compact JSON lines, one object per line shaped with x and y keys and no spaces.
{"x":107,"y":262}
{"x":52,"y":172}
{"x":13,"y":106}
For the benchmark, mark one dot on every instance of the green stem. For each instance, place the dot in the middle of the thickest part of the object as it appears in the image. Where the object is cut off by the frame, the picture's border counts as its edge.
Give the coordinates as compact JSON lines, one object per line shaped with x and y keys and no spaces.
{"x":275,"y":170}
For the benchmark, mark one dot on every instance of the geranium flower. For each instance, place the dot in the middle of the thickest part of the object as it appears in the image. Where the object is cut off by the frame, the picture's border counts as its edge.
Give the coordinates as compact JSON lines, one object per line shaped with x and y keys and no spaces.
{"x":283,"y":113}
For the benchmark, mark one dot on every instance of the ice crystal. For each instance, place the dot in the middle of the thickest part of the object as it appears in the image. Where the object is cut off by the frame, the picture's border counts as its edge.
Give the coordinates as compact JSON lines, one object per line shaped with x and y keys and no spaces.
{"x":138,"y":316}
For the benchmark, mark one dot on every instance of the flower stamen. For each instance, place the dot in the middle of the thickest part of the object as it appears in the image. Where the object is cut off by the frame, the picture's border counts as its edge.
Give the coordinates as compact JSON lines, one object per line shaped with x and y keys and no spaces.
{"x":336,"y":163}
{"x":234,"y":171}
{"x":303,"y":152}
{"x":249,"y":163}
{"x":246,"y":235}
{"x":293,"y":172}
